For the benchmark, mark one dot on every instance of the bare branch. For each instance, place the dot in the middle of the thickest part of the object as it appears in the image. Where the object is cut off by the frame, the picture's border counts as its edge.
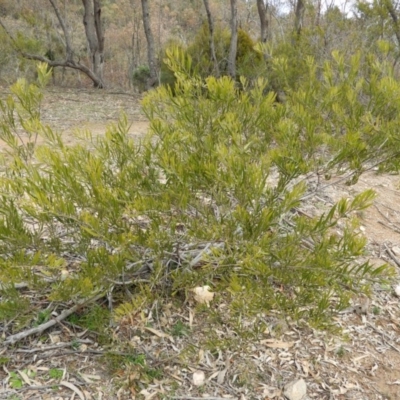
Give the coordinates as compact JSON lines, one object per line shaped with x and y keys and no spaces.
{"x":65,"y":30}
{"x":68,"y":62}
{"x":41,"y":328}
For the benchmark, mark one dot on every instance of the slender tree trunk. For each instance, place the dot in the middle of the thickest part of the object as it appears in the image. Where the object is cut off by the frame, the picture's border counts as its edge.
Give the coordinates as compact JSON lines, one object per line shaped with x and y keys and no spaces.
{"x":392,"y":12}
{"x":95,"y":37}
{"x":150,"y":45}
{"x":95,"y":29}
{"x":211,"y":31}
{"x":299,"y":16}
{"x":262,"y":7}
{"x":234,"y":38}
{"x":67,"y":39}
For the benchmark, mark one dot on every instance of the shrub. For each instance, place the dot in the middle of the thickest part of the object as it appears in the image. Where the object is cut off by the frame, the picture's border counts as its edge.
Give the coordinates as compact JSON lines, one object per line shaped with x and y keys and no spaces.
{"x":194,"y":203}
{"x":250,"y":63}
{"x":140,"y":77}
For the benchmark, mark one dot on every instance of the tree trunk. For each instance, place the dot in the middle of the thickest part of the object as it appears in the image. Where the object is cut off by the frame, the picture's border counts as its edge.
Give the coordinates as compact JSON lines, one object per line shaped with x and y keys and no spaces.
{"x":392,"y":12}
{"x":150,"y":45}
{"x":262,"y":8}
{"x":211,"y":31}
{"x":234,"y":38}
{"x":299,"y":16}
{"x":95,"y":74}
{"x":95,"y":37}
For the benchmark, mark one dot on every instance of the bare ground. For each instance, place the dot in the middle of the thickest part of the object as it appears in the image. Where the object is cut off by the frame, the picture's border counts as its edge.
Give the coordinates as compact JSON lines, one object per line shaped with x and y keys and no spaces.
{"x":362,"y":364}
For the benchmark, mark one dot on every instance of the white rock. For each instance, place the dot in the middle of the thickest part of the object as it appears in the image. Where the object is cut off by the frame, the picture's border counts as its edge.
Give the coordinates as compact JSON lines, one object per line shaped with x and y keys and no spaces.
{"x":199,"y":378}
{"x":295,"y":390}
{"x":397,"y":290}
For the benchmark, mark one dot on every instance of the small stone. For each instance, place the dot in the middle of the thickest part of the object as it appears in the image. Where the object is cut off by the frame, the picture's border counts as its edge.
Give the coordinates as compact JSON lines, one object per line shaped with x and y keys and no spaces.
{"x":199,"y":378}
{"x":295,"y":390}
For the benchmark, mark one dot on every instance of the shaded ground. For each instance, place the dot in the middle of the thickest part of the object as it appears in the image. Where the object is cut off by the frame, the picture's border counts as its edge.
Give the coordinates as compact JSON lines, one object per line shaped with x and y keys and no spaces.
{"x":365,"y":364}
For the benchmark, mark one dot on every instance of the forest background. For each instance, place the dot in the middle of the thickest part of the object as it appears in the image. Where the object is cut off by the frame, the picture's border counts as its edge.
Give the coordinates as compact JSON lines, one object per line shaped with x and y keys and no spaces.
{"x":54,"y":32}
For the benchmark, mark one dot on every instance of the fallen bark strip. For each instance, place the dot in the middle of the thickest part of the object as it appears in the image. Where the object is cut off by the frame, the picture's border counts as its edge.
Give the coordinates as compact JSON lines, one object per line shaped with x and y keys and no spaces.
{"x":41,"y":328}
{"x":72,"y":387}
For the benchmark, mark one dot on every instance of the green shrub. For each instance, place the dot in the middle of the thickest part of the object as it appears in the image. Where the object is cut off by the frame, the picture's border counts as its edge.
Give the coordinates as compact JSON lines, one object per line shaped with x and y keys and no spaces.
{"x":140,"y":77}
{"x":217,"y":181}
{"x":250,"y":62}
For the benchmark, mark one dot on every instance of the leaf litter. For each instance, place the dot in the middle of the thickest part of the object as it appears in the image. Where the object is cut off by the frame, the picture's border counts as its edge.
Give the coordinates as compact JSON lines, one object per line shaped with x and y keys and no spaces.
{"x":362,"y":363}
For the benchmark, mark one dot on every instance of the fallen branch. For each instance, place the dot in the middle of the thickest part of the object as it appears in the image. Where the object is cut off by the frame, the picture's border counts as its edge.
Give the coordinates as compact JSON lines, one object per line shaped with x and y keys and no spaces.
{"x":41,"y":328}
{"x":54,"y":347}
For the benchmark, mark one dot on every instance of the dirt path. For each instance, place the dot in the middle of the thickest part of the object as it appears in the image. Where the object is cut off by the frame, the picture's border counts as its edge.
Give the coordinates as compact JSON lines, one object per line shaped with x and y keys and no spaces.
{"x":69,"y":110}
{"x":374,"y":346}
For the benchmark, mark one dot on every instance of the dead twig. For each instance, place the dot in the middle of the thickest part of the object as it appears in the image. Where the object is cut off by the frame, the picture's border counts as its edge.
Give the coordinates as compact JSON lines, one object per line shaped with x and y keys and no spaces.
{"x":201,"y":398}
{"x":380,"y":212}
{"x":392,"y":256}
{"x":54,"y":347}
{"x":384,"y":336}
{"x":41,"y":328}
{"x":389,"y":226}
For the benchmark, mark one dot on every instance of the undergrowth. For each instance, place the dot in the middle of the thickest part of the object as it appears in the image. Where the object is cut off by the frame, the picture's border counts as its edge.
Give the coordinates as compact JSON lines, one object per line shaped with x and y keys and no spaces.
{"x":211,"y":196}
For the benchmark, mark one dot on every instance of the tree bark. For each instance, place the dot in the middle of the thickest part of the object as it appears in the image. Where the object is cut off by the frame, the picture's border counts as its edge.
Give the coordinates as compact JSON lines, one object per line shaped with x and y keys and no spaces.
{"x":234,"y":38}
{"x":299,"y":16}
{"x":67,"y":43}
{"x":69,"y":60}
{"x":95,"y":37}
{"x":211,"y":41}
{"x":262,"y":7}
{"x":150,"y":45}
{"x":392,"y":12}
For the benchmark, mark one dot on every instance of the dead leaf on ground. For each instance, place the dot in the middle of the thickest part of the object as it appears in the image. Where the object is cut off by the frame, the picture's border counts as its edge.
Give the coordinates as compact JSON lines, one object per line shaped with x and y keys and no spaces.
{"x":203,"y":295}
{"x":277,"y":344}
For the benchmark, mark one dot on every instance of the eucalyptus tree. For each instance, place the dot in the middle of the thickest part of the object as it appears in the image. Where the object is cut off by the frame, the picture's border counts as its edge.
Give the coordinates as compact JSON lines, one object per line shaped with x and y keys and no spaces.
{"x":61,"y":33}
{"x":381,"y":20}
{"x":211,"y":40}
{"x":234,"y":39}
{"x":262,"y":7}
{"x":150,"y":45}
{"x":299,"y":16}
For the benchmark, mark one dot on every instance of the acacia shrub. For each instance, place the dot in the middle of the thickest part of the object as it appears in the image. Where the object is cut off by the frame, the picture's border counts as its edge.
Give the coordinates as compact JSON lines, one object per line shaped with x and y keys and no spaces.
{"x":210,"y":196}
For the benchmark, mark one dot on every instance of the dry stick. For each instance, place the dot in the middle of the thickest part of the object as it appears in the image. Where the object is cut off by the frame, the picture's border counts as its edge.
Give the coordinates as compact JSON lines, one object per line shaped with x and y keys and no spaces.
{"x":41,"y":328}
{"x":201,"y":398}
{"x":392,"y":256}
{"x":43,"y":387}
{"x":380,"y":212}
{"x":385,"y":337}
{"x":54,"y":347}
{"x":389,"y":226}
